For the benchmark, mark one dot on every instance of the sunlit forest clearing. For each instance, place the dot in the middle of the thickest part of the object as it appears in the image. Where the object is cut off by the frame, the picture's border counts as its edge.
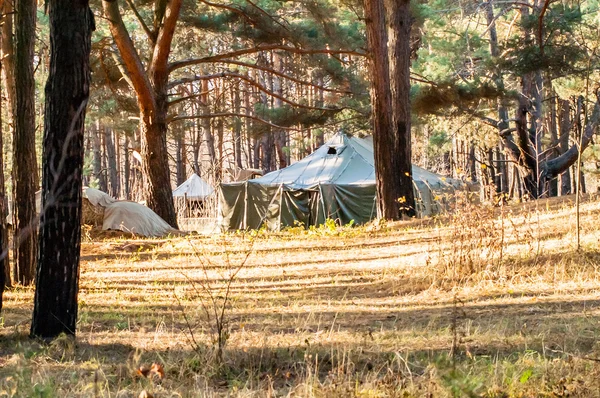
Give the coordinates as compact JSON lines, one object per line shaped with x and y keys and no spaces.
{"x":299,"y":198}
{"x":489,"y":301}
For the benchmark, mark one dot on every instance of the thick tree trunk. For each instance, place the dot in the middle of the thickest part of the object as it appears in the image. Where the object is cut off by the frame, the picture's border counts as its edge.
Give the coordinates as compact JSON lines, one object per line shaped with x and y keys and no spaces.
{"x":25,"y":176}
{"x":155,"y":167}
{"x":390,"y":68}
{"x":400,"y":21}
{"x":67,"y":92}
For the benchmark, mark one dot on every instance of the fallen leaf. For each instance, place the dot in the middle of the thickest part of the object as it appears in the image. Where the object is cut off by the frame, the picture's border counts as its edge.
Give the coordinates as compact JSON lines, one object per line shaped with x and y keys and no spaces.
{"x":158,"y":369}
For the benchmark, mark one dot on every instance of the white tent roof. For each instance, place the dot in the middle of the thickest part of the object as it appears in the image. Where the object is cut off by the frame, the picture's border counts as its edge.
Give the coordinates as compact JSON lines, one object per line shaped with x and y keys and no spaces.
{"x":194,"y":188}
{"x":344,"y":161}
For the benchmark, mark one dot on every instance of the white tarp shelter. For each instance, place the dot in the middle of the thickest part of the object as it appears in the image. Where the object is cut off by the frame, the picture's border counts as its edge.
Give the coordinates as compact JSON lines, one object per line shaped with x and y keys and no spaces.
{"x":121,"y":214}
{"x":128,"y":216}
{"x":337,"y":181}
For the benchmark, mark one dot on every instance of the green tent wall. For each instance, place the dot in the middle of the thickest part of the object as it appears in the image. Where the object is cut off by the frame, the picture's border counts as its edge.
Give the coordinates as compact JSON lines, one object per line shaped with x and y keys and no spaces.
{"x":337,"y":182}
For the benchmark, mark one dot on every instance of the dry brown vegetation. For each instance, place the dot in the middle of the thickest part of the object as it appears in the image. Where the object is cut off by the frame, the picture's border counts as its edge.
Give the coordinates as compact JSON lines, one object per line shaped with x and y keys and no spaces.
{"x":488,"y":301}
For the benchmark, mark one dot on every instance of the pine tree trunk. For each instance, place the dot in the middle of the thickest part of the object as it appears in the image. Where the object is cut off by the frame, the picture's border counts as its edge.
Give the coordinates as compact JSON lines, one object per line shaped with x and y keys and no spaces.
{"x":553,"y":129}
{"x":279,"y":136}
{"x":220,"y":129}
{"x":4,"y":263}
{"x":180,"y":158}
{"x":111,"y":163}
{"x":25,"y":179}
{"x":208,"y":136}
{"x":67,"y":93}
{"x":248,"y":127}
{"x":97,"y":156}
{"x":390,"y":68}
{"x":8,"y":59}
{"x":155,"y":166}
{"x":237,"y":126}
{"x":400,"y":22}
{"x":126,"y":170}
{"x":565,"y":129}
{"x":7,"y":63}
{"x":319,"y":138}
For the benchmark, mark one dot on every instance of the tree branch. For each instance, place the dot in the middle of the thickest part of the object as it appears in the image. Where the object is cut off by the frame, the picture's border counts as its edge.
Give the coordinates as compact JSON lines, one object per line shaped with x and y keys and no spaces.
{"x":541,"y":26}
{"x":257,"y":85}
{"x":186,"y":98}
{"x":234,"y":10}
{"x":553,"y":167}
{"x":269,"y":47}
{"x":214,"y":115}
{"x":159,"y":65}
{"x":131,"y":59}
{"x":265,"y":69}
{"x":151,"y":35}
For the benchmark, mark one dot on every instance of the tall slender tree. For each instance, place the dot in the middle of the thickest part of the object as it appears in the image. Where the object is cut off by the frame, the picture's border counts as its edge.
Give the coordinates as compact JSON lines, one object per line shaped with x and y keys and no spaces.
{"x":67,"y":93}
{"x":8,"y":80}
{"x":4,"y":268}
{"x":25,"y":174}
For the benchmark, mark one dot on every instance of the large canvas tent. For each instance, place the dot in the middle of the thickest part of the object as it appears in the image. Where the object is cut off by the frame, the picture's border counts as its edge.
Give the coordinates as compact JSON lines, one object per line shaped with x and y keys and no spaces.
{"x":337,"y":181}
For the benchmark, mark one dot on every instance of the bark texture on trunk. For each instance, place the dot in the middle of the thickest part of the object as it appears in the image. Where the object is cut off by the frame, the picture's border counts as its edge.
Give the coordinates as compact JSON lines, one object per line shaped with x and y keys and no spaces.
{"x":25,"y":164}
{"x":565,"y":129}
{"x":111,"y":163}
{"x":7,"y":69}
{"x":155,"y":169}
{"x":4,"y":267}
{"x":390,"y":68}
{"x":67,"y":92}
{"x":400,"y":22}
{"x":151,"y":88}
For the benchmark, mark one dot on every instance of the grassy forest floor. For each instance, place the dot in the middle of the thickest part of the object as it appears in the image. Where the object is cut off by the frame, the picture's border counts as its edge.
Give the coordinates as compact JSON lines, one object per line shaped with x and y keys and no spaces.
{"x":489,"y":301}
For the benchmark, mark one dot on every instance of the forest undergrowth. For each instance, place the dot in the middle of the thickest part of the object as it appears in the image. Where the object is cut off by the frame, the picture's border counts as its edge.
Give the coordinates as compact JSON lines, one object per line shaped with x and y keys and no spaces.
{"x":486,"y":301}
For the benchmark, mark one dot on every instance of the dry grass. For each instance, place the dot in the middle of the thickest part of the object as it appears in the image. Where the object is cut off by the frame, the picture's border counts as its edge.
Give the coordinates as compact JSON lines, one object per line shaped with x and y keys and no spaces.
{"x":487,"y":302}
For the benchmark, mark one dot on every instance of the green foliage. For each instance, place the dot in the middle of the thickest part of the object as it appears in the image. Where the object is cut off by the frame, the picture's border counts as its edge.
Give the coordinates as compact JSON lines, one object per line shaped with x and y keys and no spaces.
{"x":445,"y":96}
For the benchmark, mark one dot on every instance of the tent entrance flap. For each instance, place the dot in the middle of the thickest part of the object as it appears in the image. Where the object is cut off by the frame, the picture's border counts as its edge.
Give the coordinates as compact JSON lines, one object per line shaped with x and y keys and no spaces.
{"x":295,"y":208}
{"x":348,"y":203}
